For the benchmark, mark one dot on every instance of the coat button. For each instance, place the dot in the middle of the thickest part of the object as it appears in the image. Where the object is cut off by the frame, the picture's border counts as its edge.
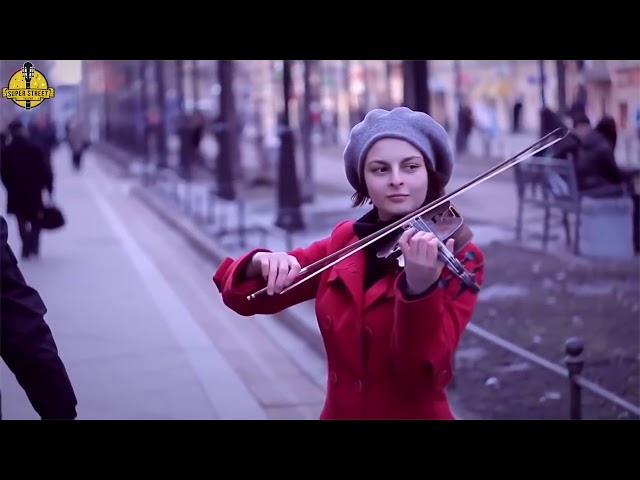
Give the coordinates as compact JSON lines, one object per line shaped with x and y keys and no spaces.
{"x":325,"y":322}
{"x":333,"y":378}
{"x":367,"y":331}
{"x":444,"y":377}
{"x":359,"y":386}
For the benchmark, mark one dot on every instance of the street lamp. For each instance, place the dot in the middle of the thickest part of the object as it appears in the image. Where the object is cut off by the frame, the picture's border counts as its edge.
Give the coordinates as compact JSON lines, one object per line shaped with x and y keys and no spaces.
{"x":223,"y":130}
{"x":416,"y":85}
{"x":562,"y":88}
{"x":160,"y":122}
{"x":289,"y":216}
{"x":306,"y":132}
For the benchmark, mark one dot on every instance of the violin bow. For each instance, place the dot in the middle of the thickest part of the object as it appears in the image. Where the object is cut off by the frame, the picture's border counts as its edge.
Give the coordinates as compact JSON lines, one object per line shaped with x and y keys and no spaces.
{"x":542,"y":144}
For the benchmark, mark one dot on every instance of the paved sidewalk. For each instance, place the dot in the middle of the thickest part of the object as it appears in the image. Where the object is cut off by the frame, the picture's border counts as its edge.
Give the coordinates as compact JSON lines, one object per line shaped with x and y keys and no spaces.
{"x":138,"y":324}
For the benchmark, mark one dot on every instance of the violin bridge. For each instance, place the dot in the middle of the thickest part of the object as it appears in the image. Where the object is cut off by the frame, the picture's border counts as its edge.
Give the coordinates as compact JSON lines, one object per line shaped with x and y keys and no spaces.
{"x":454,"y":212}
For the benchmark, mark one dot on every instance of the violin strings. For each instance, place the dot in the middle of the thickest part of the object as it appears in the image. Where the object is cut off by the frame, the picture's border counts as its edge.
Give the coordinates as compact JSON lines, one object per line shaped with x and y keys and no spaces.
{"x":447,"y":256}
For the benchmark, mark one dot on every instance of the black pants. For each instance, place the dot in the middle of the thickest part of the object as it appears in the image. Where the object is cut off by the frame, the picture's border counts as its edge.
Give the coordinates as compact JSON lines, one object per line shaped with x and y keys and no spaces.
{"x":76,"y":159}
{"x":462,"y":142}
{"x":30,"y":236}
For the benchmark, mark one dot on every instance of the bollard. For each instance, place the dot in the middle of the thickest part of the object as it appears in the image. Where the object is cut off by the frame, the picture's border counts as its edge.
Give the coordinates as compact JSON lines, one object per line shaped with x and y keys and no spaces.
{"x":574,"y":361}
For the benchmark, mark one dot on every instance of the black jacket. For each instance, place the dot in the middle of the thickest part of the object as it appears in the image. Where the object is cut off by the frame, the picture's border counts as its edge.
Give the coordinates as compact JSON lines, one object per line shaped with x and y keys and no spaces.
{"x":568,"y":148}
{"x":25,"y":174}
{"x":26,"y":342}
{"x":596,"y":165}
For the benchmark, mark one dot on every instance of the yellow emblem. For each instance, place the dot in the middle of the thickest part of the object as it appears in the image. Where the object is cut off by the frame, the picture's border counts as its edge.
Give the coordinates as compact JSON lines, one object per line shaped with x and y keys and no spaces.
{"x":28,"y":87}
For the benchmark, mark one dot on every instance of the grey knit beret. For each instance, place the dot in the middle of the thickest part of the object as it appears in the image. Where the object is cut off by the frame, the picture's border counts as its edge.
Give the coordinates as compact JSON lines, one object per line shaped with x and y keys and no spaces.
{"x":415,"y":127}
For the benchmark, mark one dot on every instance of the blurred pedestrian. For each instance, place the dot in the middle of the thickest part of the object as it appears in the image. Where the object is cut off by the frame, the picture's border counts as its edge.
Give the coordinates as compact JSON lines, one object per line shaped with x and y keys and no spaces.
{"x":390,"y":331}
{"x":486,"y":119}
{"x":77,"y":140}
{"x":42,"y":132}
{"x":517,"y":114}
{"x":579,"y":105}
{"x":569,"y":147}
{"x":25,"y":175}
{"x":27,"y":345}
{"x":4,"y":141}
{"x":466,"y":123}
{"x":596,"y":167}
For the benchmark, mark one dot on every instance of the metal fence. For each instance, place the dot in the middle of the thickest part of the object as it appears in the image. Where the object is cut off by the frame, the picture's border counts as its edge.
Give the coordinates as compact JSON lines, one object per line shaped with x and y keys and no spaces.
{"x":574,"y":364}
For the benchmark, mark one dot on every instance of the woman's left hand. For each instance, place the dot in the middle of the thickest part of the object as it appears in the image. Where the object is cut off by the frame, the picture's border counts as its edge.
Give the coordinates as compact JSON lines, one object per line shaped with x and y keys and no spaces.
{"x":422,"y":266}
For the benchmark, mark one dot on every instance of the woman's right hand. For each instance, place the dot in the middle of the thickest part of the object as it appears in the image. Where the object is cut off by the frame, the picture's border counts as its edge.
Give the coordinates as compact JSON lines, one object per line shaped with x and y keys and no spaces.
{"x":279,"y":269}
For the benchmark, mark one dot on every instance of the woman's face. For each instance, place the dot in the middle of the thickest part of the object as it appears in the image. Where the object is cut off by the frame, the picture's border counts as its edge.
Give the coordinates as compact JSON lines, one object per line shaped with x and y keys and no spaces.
{"x":396,"y":177}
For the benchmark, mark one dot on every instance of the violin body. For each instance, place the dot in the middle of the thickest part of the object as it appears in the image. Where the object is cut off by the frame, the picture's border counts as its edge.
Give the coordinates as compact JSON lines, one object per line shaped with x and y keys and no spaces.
{"x":445,"y":222}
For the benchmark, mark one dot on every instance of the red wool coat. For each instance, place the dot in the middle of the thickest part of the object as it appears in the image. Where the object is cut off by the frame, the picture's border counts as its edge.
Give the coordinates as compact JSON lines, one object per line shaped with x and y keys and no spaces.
{"x":388,"y":357}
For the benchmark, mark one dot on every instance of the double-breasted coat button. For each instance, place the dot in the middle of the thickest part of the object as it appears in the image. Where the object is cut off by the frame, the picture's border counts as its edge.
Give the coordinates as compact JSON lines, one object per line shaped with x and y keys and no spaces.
{"x":325,"y":322}
{"x":359,"y":386}
{"x":367,"y":331}
{"x":333,"y":378}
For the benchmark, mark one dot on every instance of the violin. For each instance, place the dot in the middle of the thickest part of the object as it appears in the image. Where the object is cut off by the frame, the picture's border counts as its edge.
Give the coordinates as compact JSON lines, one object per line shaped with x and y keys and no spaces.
{"x":438,"y":217}
{"x":446,"y":223}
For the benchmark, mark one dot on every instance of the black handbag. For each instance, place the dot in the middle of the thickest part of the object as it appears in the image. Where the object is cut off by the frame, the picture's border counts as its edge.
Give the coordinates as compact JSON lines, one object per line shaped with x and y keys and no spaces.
{"x":51,"y":218}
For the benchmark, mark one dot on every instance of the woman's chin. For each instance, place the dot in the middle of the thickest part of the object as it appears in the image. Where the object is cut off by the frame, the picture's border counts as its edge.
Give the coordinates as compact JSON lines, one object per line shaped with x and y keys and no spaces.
{"x":398,"y":210}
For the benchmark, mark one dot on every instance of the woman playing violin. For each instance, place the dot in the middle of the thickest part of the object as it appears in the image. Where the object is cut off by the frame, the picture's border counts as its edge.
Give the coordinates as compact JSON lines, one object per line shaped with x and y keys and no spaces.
{"x":390,"y":331}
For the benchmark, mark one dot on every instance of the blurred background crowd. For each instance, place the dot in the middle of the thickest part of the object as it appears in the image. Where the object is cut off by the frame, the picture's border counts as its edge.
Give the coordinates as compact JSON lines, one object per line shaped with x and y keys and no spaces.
{"x":145,"y":106}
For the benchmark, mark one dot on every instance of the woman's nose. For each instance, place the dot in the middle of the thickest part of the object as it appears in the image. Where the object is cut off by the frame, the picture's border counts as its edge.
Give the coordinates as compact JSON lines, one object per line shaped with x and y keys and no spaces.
{"x":396,"y":178}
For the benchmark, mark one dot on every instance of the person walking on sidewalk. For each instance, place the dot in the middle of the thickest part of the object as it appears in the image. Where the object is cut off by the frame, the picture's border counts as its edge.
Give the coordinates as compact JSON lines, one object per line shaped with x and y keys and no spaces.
{"x":26,"y":343}
{"x":77,"y":141}
{"x":42,"y":132}
{"x":390,"y":332}
{"x":25,"y":174}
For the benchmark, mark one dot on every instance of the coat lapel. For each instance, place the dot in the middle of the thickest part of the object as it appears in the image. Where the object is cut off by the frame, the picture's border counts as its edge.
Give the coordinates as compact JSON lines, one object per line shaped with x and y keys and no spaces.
{"x":351,"y":272}
{"x":383,"y":288}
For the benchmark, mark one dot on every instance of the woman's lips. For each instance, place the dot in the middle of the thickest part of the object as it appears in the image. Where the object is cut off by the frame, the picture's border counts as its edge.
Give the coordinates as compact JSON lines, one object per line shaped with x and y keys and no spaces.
{"x":397,"y":198}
